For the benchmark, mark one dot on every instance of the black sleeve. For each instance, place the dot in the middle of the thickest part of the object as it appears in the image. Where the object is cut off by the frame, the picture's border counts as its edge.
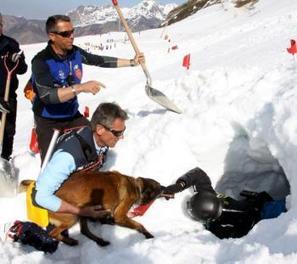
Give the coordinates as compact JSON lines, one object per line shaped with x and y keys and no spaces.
{"x":198,"y":179}
{"x":14,"y":47}
{"x":44,"y":84}
{"x":22,"y":67}
{"x":96,"y":60}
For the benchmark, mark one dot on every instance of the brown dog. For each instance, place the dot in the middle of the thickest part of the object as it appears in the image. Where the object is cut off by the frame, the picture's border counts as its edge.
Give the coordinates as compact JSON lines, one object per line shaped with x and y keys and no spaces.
{"x":112,"y":190}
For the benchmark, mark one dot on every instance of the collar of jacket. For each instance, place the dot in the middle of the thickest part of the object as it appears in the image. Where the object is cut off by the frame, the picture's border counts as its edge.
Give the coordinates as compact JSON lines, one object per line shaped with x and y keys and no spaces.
{"x":54,"y":55}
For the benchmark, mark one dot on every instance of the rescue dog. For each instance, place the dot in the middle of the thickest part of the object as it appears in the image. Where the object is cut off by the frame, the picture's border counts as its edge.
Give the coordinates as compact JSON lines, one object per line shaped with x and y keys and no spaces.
{"x":114,"y":191}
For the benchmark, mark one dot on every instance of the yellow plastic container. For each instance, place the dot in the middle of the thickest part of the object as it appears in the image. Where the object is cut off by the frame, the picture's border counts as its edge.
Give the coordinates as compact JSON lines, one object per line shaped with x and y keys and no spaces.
{"x":35,"y":214}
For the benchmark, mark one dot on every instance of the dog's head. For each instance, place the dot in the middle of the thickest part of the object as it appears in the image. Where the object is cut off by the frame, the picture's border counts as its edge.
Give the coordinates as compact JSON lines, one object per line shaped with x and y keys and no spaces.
{"x":149,"y":190}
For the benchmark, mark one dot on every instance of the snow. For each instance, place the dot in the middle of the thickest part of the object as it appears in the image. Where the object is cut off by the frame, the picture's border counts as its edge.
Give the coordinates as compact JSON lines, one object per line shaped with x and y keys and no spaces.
{"x":238,"y":124}
{"x":89,"y":15}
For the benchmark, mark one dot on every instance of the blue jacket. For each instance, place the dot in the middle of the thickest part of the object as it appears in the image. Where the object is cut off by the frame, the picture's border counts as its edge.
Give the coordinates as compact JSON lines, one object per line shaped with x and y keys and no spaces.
{"x":50,"y":72}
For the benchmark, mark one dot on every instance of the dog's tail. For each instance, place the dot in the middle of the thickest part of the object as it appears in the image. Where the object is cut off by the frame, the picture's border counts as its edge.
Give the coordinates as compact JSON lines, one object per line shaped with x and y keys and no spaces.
{"x":24,"y":185}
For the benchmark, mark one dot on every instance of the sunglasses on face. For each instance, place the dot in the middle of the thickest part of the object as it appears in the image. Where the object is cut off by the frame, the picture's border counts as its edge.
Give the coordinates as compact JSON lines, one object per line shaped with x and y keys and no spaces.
{"x":64,"y":34}
{"x":116,"y":133}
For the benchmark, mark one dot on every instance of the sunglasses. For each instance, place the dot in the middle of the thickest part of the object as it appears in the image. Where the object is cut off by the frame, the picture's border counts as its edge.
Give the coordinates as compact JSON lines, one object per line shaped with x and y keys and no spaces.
{"x":116,"y":133}
{"x":64,"y":34}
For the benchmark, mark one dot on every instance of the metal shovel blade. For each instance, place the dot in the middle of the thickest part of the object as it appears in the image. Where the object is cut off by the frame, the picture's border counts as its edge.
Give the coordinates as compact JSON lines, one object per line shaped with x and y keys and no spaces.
{"x":161,"y":99}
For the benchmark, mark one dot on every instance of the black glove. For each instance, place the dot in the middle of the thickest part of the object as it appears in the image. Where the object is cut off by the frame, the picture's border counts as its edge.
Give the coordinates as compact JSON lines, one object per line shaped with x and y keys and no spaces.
{"x":174,"y":188}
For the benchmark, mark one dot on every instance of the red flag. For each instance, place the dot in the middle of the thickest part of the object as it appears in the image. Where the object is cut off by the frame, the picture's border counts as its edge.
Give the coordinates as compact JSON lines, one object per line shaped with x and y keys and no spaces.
{"x":186,"y":61}
{"x":293,"y":49}
{"x":33,"y":142}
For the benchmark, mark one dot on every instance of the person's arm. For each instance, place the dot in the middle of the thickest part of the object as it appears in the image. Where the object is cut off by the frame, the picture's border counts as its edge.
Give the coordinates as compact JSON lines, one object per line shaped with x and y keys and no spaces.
{"x":55,"y":173}
{"x":195,"y":177}
{"x":49,"y":94}
{"x":110,"y":62}
{"x":15,"y":54}
{"x":22,"y":67}
{"x":198,"y":179}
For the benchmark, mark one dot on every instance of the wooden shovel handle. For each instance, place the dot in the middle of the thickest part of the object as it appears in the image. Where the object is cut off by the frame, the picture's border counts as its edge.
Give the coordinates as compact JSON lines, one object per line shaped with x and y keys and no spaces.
{"x":125,"y":24}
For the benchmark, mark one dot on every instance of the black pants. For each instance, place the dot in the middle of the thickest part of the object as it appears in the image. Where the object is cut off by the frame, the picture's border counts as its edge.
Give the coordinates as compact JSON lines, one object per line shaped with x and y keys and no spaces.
{"x":9,"y":130}
{"x":45,"y":129}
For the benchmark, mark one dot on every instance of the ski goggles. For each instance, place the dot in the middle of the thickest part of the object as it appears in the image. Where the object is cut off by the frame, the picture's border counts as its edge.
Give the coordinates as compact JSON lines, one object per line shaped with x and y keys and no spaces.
{"x":64,"y":34}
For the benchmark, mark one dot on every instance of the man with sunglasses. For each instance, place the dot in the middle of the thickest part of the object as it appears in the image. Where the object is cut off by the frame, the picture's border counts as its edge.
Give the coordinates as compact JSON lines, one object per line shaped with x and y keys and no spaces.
{"x":81,"y":149}
{"x":222,"y":215}
{"x":56,"y":78}
{"x":11,"y":60}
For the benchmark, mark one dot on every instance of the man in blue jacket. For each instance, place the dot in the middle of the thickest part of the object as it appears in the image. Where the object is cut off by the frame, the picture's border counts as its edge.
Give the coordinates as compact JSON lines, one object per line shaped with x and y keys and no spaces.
{"x":56,"y":77}
{"x":224,"y":216}
{"x":81,"y":149}
{"x":10,"y":56}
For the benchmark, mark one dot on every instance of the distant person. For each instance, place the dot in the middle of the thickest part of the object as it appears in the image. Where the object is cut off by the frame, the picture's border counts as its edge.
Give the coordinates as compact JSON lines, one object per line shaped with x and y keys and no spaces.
{"x":56,"y":77}
{"x":10,"y":57}
{"x":224,"y":216}
{"x":81,"y":149}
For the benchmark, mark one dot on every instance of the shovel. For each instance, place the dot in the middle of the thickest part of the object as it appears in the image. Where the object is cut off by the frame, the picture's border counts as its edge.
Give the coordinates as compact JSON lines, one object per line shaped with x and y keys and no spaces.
{"x":152,"y":93}
{"x":8,"y":177}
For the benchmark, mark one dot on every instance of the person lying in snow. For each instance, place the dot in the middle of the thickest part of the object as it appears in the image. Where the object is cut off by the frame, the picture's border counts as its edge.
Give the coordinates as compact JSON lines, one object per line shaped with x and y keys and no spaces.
{"x":224,"y":216}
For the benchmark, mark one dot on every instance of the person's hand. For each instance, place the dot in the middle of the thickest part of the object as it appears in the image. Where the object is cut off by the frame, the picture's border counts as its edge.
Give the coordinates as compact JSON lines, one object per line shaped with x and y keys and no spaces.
{"x":4,"y":106}
{"x":139,"y":58}
{"x":91,"y":87}
{"x":16,"y":56}
{"x":95,"y":211}
{"x":169,"y":191}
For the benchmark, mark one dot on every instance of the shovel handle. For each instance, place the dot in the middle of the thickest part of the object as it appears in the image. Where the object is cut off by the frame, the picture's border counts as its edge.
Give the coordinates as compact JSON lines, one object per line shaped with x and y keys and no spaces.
{"x":132,"y":40}
{"x":125,"y":24}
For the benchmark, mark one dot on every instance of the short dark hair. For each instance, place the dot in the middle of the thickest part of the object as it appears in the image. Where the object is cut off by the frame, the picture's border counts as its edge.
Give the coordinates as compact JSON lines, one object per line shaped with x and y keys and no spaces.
{"x":106,"y":113}
{"x":52,"y":21}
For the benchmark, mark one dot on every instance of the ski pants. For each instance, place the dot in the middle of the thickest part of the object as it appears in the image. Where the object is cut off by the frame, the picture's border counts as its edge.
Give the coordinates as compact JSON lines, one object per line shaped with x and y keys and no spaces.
{"x":9,"y":130}
{"x":45,"y":129}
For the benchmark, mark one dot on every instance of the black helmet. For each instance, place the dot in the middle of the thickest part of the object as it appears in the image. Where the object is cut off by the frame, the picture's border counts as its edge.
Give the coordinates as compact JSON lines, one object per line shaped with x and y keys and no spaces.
{"x":204,"y":206}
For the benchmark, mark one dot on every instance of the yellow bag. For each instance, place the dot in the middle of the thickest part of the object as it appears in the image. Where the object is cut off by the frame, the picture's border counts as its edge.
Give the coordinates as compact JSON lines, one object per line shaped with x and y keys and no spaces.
{"x":35,"y":214}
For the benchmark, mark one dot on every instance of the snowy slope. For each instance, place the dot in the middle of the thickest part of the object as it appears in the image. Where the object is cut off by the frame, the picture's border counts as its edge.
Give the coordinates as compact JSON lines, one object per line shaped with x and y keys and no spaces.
{"x":238,"y":124}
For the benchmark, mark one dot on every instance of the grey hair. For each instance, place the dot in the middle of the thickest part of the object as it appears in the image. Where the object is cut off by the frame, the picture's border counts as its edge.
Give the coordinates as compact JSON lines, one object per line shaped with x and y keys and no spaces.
{"x":106,"y":113}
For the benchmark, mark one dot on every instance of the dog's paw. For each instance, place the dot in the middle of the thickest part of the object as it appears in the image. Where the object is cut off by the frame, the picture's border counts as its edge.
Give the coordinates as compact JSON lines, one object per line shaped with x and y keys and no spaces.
{"x":102,"y":243}
{"x":70,"y":241}
{"x":148,"y":235}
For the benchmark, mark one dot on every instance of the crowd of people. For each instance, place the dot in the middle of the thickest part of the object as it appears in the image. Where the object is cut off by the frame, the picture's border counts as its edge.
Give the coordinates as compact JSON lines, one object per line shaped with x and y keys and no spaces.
{"x":57,"y":82}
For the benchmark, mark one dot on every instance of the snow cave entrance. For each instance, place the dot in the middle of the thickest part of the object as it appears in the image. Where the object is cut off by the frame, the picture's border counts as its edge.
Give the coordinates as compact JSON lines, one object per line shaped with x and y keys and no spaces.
{"x":249,"y":165}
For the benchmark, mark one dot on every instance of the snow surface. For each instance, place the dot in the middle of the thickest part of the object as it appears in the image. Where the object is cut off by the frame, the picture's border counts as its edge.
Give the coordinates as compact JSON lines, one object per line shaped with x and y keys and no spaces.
{"x":238,"y":124}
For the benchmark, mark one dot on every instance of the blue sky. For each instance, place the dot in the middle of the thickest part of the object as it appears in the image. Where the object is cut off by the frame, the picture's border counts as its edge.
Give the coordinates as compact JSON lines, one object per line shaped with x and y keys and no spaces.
{"x":38,"y":8}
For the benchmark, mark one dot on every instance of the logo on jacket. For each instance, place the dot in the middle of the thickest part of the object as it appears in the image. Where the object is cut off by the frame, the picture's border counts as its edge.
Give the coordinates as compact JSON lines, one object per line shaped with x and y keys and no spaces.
{"x":62,"y":75}
{"x":77,"y":72}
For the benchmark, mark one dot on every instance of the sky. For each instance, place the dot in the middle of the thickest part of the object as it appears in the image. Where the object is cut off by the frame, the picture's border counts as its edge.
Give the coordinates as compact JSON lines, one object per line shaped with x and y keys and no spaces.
{"x":238,"y":123}
{"x":37,"y":9}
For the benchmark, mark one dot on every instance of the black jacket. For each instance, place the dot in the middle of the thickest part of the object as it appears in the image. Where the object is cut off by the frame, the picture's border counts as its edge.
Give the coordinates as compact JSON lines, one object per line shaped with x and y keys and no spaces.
{"x":238,"y":216}
{"x":9,"y":46}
